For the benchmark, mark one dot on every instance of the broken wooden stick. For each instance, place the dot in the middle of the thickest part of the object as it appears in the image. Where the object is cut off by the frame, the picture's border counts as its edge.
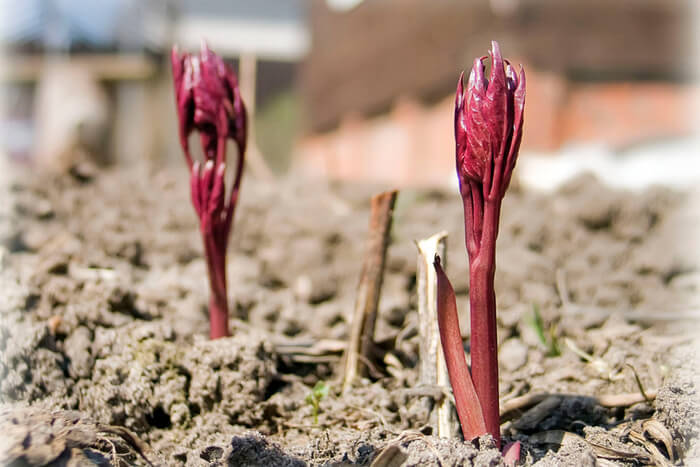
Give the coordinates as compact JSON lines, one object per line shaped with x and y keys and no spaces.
{"x":433,"y":371}
{"x":359,"y":350}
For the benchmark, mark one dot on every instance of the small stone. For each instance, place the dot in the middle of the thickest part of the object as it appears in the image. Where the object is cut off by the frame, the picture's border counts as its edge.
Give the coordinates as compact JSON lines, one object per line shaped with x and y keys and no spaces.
{"x":512,"y":355}
{"x":54,"y":322}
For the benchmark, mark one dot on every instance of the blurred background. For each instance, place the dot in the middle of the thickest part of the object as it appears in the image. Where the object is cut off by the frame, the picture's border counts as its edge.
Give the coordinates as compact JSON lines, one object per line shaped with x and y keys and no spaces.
{"x":358,"y":90}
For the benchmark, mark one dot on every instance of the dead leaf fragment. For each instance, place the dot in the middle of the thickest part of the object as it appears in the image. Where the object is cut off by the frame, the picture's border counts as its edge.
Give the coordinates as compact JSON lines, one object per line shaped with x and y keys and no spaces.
{"x":654,"y":433}
{"x":657,"y":431}
{"x":391,"y":456}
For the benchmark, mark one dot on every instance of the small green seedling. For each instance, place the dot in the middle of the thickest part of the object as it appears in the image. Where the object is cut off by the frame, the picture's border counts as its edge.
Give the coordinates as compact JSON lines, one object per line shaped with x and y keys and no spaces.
{"x":319,"y":391}
{"x":549,"y":341}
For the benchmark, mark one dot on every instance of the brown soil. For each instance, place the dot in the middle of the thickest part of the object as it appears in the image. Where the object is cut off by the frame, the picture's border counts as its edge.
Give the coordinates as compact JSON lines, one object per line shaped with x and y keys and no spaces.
{"x":104,"y":322}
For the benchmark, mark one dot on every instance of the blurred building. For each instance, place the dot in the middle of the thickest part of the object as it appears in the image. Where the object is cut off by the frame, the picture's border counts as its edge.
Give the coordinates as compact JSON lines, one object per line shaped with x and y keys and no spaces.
{"x":355,"y":89}
{"x":73,"y":70}
{"x":379,"y":80}
{"x":76,"y":71}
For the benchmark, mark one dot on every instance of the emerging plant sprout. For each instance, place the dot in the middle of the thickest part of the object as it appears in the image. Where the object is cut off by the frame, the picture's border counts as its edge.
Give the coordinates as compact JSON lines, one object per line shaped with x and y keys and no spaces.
{"x":488,"y":129}
{"x":209,"y":101}
{"x":318,"y":393}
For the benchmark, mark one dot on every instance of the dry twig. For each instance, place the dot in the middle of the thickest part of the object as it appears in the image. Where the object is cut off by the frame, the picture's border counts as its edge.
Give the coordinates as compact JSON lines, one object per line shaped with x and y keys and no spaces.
{"x":360,"y":346}
{"x":433,"y":371}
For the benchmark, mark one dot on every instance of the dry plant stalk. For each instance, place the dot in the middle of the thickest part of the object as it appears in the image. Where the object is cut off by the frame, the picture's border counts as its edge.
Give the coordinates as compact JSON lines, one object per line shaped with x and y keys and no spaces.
{"x":359,"y":351}
{"x":433,"y":371}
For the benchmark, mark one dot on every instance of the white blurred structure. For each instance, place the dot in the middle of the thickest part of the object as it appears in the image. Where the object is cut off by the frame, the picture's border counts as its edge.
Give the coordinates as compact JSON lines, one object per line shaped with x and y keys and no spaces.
{"x":269,"y":29}
{"x":72,"y":116}
{"x":673,"y":163}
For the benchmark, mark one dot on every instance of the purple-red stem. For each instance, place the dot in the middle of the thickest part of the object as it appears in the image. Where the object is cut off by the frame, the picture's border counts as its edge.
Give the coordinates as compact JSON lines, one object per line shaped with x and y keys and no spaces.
{"x":481,"y":217}
{"x":218,"y":314}
{"x":484,"y":346}
{"x":481,"y":227}
{"x":218,"y":301}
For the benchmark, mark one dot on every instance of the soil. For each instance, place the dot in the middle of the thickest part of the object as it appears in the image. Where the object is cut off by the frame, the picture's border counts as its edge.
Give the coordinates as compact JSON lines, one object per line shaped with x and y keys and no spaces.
{"x":103,"y":329}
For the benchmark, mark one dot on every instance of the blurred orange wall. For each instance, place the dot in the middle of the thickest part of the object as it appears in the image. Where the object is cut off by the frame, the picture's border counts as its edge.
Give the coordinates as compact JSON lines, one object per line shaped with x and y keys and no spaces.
{"x":413,"y":144}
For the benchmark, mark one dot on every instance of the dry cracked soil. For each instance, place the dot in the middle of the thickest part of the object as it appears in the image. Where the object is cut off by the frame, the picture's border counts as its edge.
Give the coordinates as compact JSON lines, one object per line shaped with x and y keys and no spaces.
{"x":104,"y":356}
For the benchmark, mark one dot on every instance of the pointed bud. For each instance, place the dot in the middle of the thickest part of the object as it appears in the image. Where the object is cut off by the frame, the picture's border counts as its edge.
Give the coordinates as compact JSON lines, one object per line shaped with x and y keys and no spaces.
{"x":497,"y":81}
{"x":208,"y":100}
{"x":182,"y":80}
{"x":488,"y":123}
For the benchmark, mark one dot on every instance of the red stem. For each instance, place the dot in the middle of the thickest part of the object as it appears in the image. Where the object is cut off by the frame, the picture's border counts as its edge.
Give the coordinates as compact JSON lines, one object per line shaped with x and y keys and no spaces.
{"x":218,"y":301}
{"x":482,"y":301}
{"x":215,"y":221}
{"x":484,"y":346}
